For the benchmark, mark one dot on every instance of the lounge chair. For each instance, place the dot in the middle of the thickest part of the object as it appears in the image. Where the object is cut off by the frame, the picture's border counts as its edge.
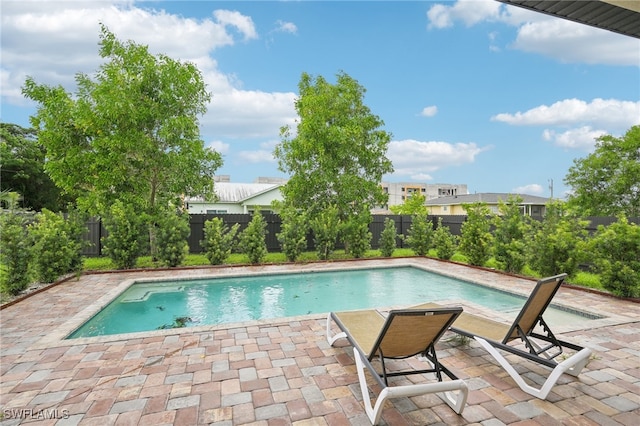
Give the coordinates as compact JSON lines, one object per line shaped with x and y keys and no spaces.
{"x":399,"y":335}
{"x":537,"y":341}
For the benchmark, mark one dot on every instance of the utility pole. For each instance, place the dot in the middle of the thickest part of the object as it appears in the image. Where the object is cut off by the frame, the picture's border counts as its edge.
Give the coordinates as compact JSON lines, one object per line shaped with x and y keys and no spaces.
{"x":551,"y":188}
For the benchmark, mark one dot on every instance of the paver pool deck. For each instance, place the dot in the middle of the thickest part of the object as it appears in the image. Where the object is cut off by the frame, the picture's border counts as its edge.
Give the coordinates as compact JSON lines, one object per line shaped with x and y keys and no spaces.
{"x":283,"y":371}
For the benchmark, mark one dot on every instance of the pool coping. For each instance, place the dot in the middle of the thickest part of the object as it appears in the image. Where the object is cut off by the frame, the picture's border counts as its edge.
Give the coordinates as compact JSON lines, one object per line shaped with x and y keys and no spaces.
{"x":57,"y":337}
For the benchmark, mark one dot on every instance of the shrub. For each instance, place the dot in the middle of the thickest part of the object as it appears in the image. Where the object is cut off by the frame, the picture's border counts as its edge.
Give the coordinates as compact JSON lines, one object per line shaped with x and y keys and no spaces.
{"x":125,"y":241}
{"x":171,"y":238}
{"x":252,"y":239}
{"x":15,"y":253}
{"x":325,"y":227}
{"x":558,"y":242}
{"x":510,"y":235}
{"x":219,"y":240}
{"x":388,"y":237}
{"x":476,"y":238}
{"x":356,"y":234}
{"x":420,"y":234}
{"x":293,"y":234}
{"x":55,"y":247}
{"x":615,"y":256}
{"x":444,"y":241}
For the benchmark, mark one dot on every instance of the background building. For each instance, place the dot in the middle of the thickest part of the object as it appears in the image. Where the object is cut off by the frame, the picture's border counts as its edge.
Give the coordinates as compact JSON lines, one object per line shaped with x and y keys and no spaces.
{"x":530,"y":206}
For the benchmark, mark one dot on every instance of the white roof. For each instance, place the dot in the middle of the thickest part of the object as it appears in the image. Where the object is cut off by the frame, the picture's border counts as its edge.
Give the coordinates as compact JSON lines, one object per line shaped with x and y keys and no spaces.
{"x":229,"y":192}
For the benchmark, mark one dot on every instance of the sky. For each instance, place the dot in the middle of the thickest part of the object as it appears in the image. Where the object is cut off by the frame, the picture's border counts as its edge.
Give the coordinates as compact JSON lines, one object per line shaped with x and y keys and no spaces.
{"x":473,"y":92}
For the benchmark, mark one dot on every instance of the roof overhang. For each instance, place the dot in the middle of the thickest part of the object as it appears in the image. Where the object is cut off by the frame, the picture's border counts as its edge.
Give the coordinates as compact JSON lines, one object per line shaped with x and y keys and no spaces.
{"x":620,"y":16}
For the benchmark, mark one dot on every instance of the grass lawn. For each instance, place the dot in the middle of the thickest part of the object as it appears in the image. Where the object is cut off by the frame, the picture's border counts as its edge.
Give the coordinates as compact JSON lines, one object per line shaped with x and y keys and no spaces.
{"x":585,"y":279}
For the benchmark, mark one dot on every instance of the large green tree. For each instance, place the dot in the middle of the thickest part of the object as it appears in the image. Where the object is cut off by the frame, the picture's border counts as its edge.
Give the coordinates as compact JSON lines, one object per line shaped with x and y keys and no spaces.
{"x":607,"y":182}
{"x":22,"y":159}
{"x":337,"y":154}
{"x":129,"y":133}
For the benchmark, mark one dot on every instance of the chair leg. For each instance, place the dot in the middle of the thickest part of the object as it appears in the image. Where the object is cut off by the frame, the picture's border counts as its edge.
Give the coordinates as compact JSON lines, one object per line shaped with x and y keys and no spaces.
{"x":453,"y":392}
{"x":572,"y":365}
{"x":331,"y":339}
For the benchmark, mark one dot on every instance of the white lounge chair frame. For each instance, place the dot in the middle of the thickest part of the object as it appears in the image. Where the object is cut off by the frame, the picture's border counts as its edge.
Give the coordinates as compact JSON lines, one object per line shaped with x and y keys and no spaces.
{"x":542,"y":348}
{"x":371,"y":334}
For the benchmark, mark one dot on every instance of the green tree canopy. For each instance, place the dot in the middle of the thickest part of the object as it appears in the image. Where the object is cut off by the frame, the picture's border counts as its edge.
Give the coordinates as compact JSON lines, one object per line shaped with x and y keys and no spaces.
{"x":607,"y":182}
{"x":413,"y":205}
{"x":130,"y":133}
{"x":338,"y":154}
{"x":22,"y":169}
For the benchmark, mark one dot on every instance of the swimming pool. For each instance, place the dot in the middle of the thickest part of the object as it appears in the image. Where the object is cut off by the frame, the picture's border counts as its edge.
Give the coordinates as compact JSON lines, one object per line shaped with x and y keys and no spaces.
{"x":146,"y":306}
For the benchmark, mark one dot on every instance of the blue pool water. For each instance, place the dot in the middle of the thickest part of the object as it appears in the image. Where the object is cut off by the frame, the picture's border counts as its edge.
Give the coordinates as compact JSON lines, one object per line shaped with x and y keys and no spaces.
{"x":157,"y":305}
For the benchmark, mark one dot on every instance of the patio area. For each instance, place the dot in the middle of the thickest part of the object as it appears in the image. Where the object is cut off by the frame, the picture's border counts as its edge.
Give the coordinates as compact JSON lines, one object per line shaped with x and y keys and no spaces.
{"x":283,"y":372}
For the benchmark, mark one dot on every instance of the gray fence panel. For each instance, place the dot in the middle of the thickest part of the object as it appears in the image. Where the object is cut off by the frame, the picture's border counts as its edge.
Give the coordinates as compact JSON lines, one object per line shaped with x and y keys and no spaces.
{"x":92,"y":238}
{"x":95,"y":230}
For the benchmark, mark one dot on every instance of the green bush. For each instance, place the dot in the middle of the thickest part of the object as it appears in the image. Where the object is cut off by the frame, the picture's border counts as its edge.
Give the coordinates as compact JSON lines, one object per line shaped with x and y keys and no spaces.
{"x":615,"y":251}
{"x":388,"y":237}
{"x":476,"y":238}
{"x":444,"y":241}
{"x":356,"y":234}
{"x":56,"y":246}
{"x":511,"y":235}
{"x":252,"y":239}
{"x":219,"y":240}
{"x":420,"y":234}
{"x":293,"y":233}
{"x":15,"y":253}
{"x":126,"y":239}
{"x":325,"y":227}
{"x":557,"y":245}
{"x":171,"y":238}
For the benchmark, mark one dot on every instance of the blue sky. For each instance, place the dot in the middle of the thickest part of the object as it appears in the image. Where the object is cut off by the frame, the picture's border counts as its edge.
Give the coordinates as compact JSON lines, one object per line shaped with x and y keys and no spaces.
{"x":473,"y":92}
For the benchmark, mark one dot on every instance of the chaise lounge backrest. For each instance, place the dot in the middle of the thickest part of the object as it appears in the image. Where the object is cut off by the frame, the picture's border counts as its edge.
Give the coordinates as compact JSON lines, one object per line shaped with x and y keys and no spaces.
{"x":410,"y":332}
{"x":536,"y":304}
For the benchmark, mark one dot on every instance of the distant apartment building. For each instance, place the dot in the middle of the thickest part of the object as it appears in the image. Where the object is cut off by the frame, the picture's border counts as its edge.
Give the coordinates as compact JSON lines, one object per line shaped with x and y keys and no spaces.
{"x":399,"y":192}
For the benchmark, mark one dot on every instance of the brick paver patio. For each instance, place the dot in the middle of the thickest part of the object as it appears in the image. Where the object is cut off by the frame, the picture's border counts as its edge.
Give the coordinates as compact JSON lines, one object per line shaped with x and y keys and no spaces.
{"x":283,"y":372}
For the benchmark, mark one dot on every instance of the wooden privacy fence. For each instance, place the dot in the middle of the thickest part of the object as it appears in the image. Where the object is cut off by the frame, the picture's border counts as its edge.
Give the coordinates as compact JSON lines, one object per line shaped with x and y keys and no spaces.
{"x":95,"y":229}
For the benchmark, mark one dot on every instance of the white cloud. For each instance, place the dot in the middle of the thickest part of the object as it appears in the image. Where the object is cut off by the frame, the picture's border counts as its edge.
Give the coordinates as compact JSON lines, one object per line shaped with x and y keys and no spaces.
{"x":242,"y":23}
{"x":419,"y":159}
{"x":429,"y":111}
{"x":580,"y":138}
{"x":262,"y":155}
{"x":468,"y":11}
{"x":611,"y":113}
{"x":219,"y":146}
{"x":531,"y":189}
{"x":249,"y":113}
{"x":555,"y":37}
{"x":53,"y":41}
{"x":421,"y":177}
{"x":286,"y":27}
{"x":258,"y":156}
{"x":570,"y":42}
